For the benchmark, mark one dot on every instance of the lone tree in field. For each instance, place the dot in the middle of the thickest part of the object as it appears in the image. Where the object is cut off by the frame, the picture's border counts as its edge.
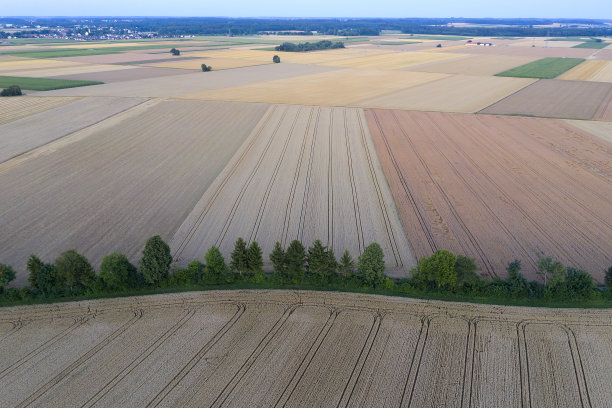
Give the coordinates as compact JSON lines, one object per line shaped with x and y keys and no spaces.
{"x":7,"y":274}
{"x":276,"y":59}
{"x":206,"y":68}
{"x":13,"y":90}
{"x":216,"y":269}
{"x":74,"y":271}
{"x":254,"y":258}
{"x":155,"y":261}
{"x":278,"y":257}
{"x":238,"y":263}
{"x":175,"y":52}
{"x":346,"y":267}
{"x":371,"y":265}
{"x":117,"y":272}
{"x":296,"y":261}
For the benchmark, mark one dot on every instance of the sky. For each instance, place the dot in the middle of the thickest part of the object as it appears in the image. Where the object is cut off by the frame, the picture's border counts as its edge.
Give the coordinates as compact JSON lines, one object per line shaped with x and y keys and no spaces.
{"x":600,"y":9}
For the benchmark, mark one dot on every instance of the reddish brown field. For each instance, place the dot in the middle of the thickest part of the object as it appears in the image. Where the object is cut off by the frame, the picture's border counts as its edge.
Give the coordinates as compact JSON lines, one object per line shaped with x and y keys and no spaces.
{"x":499,"y":188}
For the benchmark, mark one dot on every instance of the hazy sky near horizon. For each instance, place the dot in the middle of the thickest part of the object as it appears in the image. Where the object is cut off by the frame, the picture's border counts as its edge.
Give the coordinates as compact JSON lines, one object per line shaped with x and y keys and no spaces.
{"x":600,"y":9}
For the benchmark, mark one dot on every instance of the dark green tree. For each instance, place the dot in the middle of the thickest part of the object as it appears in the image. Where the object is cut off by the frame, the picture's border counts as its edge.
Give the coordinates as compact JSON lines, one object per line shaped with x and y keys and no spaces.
{"x":13,"y":90}
{"x":346,"y":267}
{"x":276,"y":59}
{"x":117,"y":273}
{"x":579,"y":284}
{"x":608,"y":278}
{"x":155,"y":261}
{"x":438,"y":269}
{"x":238,"y":262}
{"x":465,"y":270}
{"x":517,"y":285}
{"x":371,"y":265}
{"x":7,"y":274}
{"x":255,"y":258}
{"x":206,"y":68}
{"x":74,"y":271}
{"x":278,"y":257}
{"x":296,"y":261}
{"x":33,"y":266}
{"x":175,"y":52}
{"x":216,"y":269}
{"x":318,"y":261}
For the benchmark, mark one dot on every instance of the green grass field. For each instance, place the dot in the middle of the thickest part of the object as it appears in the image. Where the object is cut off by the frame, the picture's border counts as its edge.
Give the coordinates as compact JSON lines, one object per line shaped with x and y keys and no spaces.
{"x":545,"y":68}
{"x":42,"y":84}
{"x":592,"y":44}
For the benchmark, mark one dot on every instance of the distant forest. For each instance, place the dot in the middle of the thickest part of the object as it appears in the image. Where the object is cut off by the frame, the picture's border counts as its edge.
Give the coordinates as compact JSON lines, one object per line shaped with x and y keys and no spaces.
{"x":166,"y":26}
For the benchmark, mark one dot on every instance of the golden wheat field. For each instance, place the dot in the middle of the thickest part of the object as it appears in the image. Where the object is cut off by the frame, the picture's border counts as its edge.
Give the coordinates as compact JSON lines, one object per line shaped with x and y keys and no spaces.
{"x":302,"y":349}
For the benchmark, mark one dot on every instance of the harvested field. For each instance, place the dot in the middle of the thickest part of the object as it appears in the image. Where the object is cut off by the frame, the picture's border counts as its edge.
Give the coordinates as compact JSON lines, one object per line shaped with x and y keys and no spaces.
{"x":584,"y":71}
{"x":38,"y":129}
{"x":65,"y":70}
{"x":529,"y":51}
{"x":479,"y":65}
{"x":543,"y":68}
{"x":311,"y":168}
{"x":545,"y":43}
{"x":499,"y":188}
{"x":605,"y":109}
{"x":600,"y":129}
{"x":97,"y":191}
{"x":335,"y":88}
{"x":124,"y":75}
{"x":19,"y":107}
{"x":556,"y":99}
{"x":216,"y":63}
{"x":130,"y":57}
{"x":396,"y":60}
{"x":457,"y":93}
{"x":195,"y":82}
{"x":604,"y":74}
{"x":270,"y":348}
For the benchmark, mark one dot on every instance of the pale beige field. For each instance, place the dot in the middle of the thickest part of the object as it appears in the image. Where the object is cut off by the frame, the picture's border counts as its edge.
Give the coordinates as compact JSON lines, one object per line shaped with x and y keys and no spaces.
{"x":596,"y":128}
{"x":396,"y":60}
{"x":544,"y":43}
{"x":215,"y":63}
{"x":273,"y":348}
{"x":111,"y":187}
{"x":29,"y":132}
{"x":479,"y":65}
{"x":15,"y":108}
{"x":585,"y":71}
{"x":304,"y":173}
{"x":334,"y":88}
{"x":457,"y":93}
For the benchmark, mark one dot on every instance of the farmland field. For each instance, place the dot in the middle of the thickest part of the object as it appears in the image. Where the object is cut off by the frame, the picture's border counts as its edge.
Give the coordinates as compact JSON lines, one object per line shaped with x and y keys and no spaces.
{"x":18,"y":107}
{"x":305,"y":173}
{"x":100,"y":190}
{"x":259,"y":348}
{"x":484,"y":186}
{"x":592,"y":45}
{"x":585,"y":71}
{"x":544,"y":68}
{"x":42,"y":84}
{"x":479,"y":65}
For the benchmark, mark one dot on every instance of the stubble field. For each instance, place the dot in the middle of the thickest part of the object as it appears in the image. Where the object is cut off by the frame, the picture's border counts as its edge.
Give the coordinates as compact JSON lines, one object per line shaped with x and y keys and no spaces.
{"x":498,"y":188}
{"x":305,"y":173}
{"x":302,"y":349}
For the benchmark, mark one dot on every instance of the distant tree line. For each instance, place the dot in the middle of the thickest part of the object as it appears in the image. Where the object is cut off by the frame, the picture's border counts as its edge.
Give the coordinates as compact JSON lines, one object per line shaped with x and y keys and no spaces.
{"x":295,"y":266}
{"x":308,"y":46}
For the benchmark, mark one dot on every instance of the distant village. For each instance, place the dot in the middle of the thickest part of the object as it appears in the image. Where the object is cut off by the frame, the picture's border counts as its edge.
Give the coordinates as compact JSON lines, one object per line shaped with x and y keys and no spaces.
{"x":76,"y":32}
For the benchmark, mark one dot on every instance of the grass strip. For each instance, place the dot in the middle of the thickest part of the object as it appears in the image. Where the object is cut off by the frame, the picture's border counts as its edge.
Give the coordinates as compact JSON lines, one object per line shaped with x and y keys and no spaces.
{"x":42,"y":84}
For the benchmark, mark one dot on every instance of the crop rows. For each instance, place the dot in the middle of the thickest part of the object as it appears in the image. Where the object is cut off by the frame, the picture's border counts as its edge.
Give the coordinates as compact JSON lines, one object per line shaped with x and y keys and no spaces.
{"x":314,"y":349}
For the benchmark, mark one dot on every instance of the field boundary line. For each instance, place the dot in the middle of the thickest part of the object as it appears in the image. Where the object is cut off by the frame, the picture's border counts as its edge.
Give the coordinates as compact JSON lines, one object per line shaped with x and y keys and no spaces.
{"x":345,"y":398}
{"x":308,"y":178}
{"x":413,"y":373}
{"x":583,"y":387}
{"x":226,"y":174}
{"x":77,"y":135}
{"x":468,"y":367}
{"x":330,"y":181}
{"x":358,"y":225}
{"x":90,"y":353}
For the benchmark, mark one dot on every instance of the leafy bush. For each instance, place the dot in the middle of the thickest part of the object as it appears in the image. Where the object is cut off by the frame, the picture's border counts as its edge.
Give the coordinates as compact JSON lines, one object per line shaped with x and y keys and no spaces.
{"x":371,"y":265}
{"x":73,"y":270}
{"x":216,"y":269}
{"x":13,"y":90}
{"x":155,"y":261}
{"x":175,"y":52}
{"x":7,"y":274}
{"x":206,"y":68}
{"x":117,"y":273}
{"x":276,"y":59}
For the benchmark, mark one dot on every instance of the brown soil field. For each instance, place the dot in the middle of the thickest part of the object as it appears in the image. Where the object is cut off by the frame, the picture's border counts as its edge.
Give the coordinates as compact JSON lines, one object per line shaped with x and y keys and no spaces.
{"x":557,"y":99}
{"x":479,"y":65}
{"x":97,"y":190}
{"x":396,"y":60}
{"x":584,"y":71}
{"x":216,"y":63}
{"x":273,"y":348}
{"x":334,"y":88}
{"x":123,"y":75}
{"x":35,"y":130}
{"x":600,"y":129}
{"x":499,"y":188}
{"x":605,"y":109}
{"x":458,"y":93}
{"x":181,"y":84}
{"x":16,"y":108}
{"x":313,"y":168}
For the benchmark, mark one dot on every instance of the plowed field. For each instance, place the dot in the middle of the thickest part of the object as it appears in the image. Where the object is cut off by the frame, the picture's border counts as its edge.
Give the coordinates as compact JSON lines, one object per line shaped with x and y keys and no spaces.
{"x":304,"y":173}
{"x":499,"y":188}
{"x":301,"y":349}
